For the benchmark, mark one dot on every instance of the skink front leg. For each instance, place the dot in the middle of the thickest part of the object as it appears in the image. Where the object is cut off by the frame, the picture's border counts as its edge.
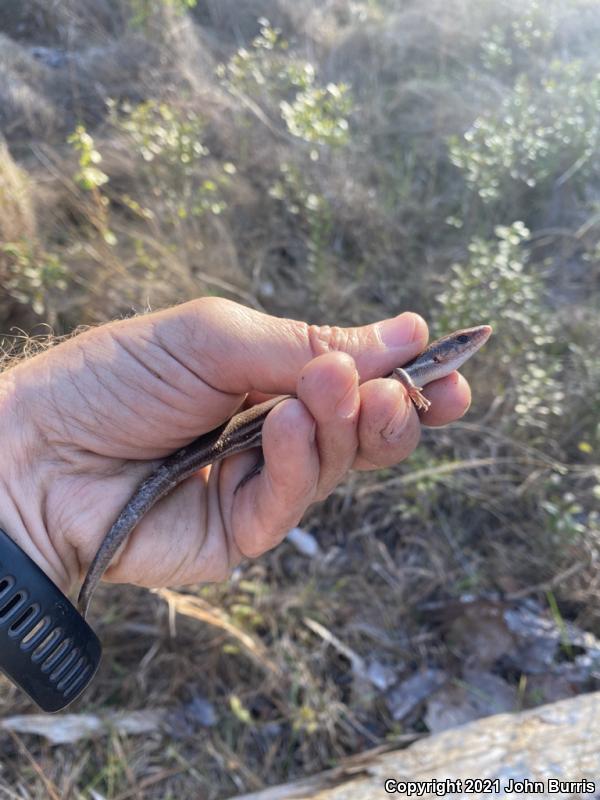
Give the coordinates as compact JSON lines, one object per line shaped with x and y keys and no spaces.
{"x":255,"y":470}
{"x":414,"y":391}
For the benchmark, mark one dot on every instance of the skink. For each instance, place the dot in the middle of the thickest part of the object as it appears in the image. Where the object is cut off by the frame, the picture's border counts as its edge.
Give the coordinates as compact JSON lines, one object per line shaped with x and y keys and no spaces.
{"x":244,"y":431}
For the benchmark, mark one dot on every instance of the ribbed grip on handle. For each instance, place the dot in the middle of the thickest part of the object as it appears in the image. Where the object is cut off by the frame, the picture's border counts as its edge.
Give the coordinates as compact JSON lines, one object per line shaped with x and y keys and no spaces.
{"x":46,"y":647}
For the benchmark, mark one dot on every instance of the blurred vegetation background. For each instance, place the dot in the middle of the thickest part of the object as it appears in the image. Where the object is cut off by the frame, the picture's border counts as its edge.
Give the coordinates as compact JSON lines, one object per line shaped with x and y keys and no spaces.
{"x":338,"y":162}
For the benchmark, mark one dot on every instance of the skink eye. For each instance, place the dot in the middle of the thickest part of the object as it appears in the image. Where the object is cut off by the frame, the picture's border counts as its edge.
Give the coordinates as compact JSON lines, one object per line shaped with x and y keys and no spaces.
{"x":463,"y":338}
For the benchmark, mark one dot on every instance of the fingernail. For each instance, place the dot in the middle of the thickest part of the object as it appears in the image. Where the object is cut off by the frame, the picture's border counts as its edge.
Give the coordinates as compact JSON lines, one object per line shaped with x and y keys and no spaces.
{"x":348,"y":405}
{"x":402,"y":330}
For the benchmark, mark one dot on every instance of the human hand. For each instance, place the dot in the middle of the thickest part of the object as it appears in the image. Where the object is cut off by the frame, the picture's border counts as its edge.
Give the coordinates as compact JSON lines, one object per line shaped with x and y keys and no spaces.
{"x":86,"y":421}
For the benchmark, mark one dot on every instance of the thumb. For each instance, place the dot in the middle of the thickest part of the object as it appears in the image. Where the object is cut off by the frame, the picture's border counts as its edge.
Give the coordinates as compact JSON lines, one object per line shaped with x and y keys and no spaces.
{"x":236,"y":349}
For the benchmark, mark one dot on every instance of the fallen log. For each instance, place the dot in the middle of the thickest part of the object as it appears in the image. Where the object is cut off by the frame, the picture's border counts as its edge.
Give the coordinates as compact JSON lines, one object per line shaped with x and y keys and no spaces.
{"x":550,"y":752}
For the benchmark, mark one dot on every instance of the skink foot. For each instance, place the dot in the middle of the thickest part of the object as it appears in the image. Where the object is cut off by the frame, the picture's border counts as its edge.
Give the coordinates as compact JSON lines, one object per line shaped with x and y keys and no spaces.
{"x":419,"y":399}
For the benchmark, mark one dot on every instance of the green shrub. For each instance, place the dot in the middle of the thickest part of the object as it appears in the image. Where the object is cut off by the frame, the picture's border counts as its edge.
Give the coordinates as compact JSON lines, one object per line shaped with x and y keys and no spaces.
{"x":319,"y":115}
{"x":266,"y":66}
{"x":144,"y":10}
{"x":500,"y":283}
{"x":33,"y":273}
{"x":89,"y":175}
{"x":160,"y":132}
{"x":268,"y":72}
{"x":542,"y":131}
{"x":527,"y":34}
{"x":91,"y":178}
{"x":168,"y":142}
{"x":300,"y":198}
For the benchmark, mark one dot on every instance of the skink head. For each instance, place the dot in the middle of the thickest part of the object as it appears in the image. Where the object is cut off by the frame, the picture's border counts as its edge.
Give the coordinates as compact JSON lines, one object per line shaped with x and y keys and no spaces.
{"x":453,"y":350}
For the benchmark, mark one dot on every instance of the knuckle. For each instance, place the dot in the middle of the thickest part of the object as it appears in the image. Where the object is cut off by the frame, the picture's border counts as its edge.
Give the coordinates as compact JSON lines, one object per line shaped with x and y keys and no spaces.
{"x":328,"y":338}
{"x":204,"y":304}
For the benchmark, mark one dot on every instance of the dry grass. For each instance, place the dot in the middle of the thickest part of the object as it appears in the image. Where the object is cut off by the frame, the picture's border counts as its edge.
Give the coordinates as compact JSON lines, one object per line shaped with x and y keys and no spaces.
{"x":17,"y":218}
{"x":17,"y":214}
